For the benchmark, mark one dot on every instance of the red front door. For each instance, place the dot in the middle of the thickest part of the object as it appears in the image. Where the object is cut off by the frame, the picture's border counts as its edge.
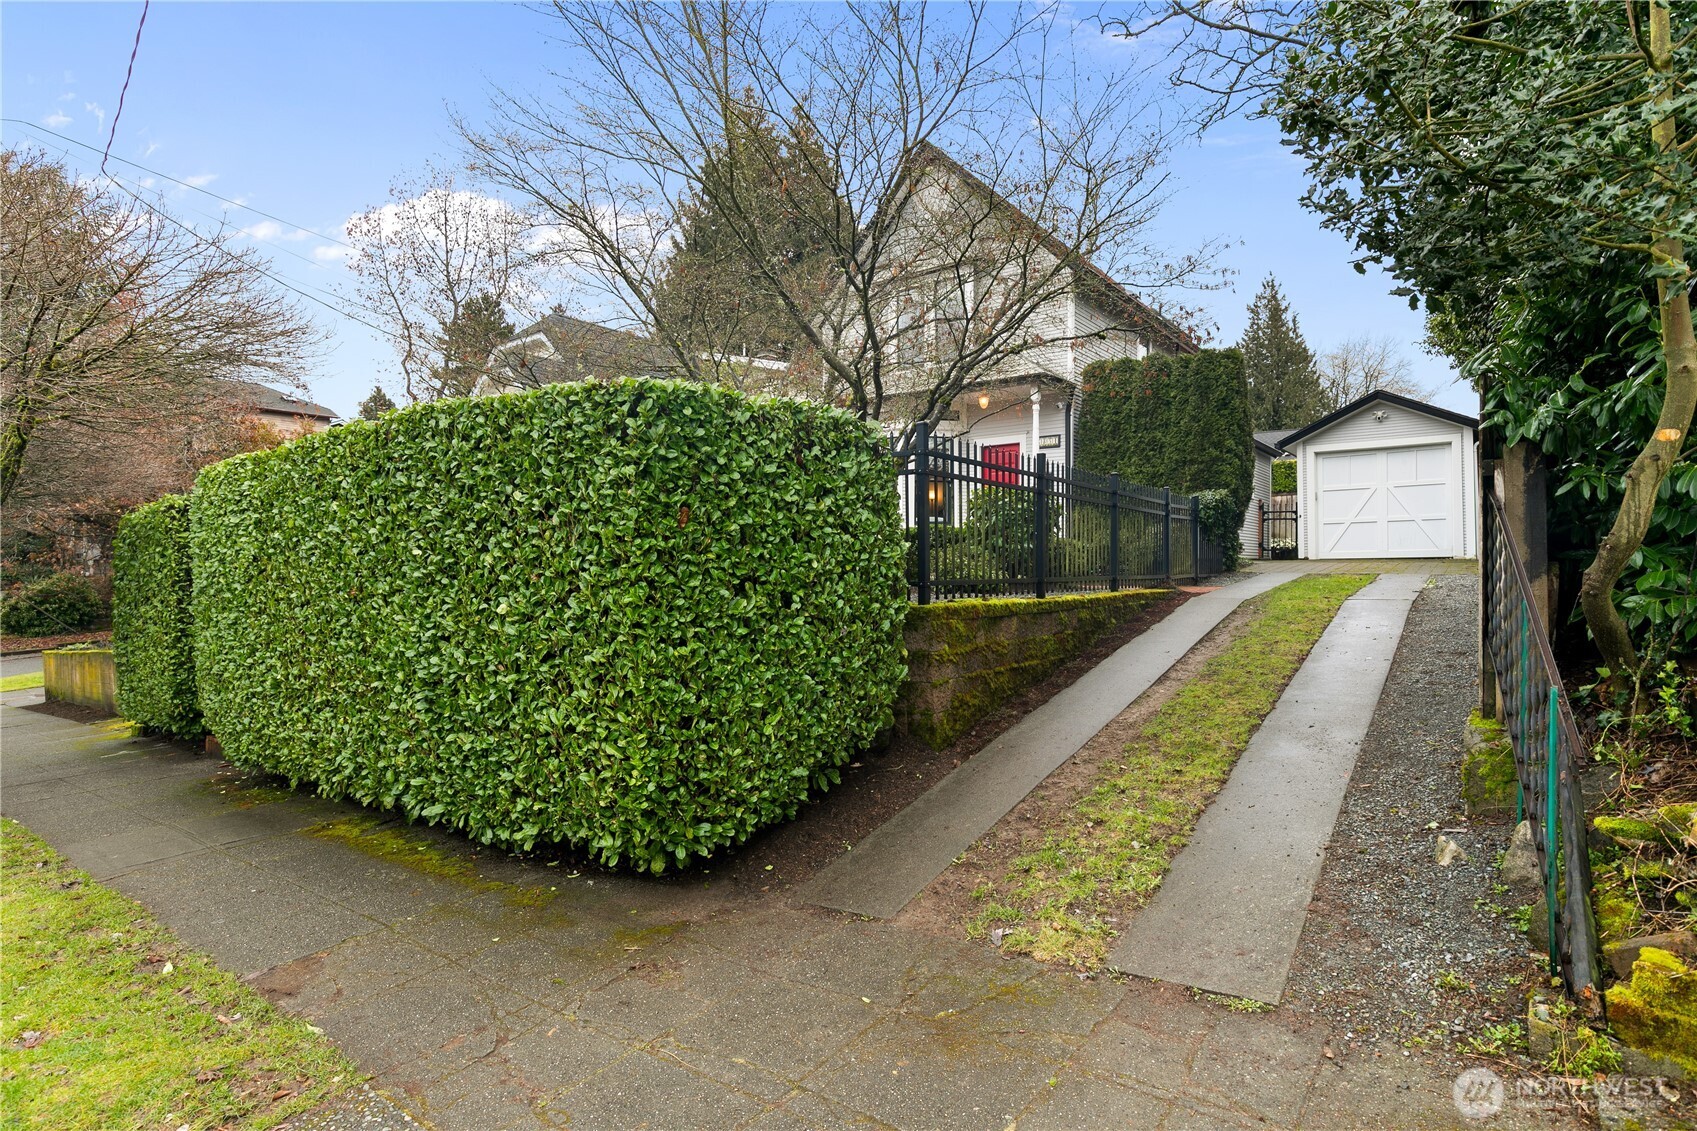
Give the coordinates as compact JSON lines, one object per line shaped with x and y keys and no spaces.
{"x":1001,"y":455}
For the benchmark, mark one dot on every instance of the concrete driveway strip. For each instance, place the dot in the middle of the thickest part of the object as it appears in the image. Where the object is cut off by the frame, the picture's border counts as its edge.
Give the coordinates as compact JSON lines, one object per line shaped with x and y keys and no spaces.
{"x":1230,"y":913}
{"x":886,"y":870}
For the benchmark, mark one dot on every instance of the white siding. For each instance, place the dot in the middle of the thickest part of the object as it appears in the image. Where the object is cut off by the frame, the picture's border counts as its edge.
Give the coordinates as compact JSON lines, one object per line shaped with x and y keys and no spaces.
{"x":1400,"y":428}
{"x":1261,"y":492}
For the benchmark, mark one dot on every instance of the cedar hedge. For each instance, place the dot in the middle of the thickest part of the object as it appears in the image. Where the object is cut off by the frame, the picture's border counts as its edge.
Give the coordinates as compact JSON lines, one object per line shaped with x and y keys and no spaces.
{"x":1179,"y":421}
{"x":152,"y":634}
{"x":643,"y":617}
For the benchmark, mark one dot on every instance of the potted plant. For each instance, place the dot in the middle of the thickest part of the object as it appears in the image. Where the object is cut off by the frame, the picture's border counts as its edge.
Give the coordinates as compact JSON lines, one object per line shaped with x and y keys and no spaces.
{"x":1282,"y":549}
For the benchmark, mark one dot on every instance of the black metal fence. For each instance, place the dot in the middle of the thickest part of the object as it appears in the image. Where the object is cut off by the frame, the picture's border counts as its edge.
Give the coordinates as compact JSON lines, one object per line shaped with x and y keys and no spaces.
{"x":1278,"y":529}
{"x":1547,"y":748}
{"x":987,"y":521}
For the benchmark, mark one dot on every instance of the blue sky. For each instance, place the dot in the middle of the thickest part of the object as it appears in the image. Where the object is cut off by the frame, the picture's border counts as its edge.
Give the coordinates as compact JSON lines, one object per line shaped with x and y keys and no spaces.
{"x":308,"y":111}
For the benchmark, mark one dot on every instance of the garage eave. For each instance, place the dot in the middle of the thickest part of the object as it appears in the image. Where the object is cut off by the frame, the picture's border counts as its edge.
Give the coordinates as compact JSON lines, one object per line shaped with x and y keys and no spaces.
{"x":1377,"y":396}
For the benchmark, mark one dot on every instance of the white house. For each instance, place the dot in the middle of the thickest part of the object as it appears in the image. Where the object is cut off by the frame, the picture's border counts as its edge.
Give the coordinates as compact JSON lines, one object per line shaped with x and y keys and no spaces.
{"x":1387,"y":477}
{"x":1028,"y":402}
{"x":1260,"y":494}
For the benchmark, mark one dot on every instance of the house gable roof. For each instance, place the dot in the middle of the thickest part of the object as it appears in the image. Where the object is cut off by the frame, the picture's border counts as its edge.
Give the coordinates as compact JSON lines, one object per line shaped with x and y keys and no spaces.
{"x":263,"y":398}
{"x":1094,"y":282}
{"x":1384,"y":397}
{"x":578,"y":348}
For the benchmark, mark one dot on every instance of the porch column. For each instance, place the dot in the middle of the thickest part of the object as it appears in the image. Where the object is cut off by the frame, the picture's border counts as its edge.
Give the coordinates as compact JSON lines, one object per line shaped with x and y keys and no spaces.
{"x":1036,"y":419}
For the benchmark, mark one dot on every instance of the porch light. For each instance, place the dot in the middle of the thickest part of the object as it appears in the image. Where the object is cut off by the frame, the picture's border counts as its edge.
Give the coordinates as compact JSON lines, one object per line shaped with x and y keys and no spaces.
{"x":934,"y":498}
{"x":983,"y":400}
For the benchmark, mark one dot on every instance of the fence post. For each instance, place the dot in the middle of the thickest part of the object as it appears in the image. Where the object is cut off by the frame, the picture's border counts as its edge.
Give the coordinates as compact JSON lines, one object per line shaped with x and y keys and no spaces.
{"x":1260,"y":529}
{"x":1552,"y":841}
{"x":1114,"y":532}
{"x":1040,"y":564}
{"x":1167,"y":534}
{"x":921,"y":503}
{"x":1196,"y":539}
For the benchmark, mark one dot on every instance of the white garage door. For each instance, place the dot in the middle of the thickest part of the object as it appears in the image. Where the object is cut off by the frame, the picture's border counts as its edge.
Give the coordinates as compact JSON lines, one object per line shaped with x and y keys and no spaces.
{"x":1395,"y":502}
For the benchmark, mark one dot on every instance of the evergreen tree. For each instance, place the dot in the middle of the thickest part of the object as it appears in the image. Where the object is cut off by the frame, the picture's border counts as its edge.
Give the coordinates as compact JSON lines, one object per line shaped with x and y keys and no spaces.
{"x":1216,"y":451}
{"x":709,"y":296}
{"x":1285,"y":390}
{"x":466,"y":341}
{"x":376,"y":404}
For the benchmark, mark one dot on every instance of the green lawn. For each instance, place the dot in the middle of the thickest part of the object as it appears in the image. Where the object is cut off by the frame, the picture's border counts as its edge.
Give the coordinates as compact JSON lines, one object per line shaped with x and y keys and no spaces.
{"x":110,"y":1022}
{"x":20,"y":682}
{"x":1110,"y":852}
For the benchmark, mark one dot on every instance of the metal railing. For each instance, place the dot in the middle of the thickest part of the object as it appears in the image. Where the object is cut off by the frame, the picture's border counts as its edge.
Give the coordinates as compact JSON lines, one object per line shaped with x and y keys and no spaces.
{"x":1278,"y":527}
{"x":986,"y":521}
{"x":1547,"y":748}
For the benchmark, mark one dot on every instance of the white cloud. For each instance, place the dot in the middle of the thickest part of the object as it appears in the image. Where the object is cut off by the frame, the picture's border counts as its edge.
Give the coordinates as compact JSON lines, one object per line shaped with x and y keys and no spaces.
{"x":152,"y":148}
{"x":99,"y":114}
{"x":56,"y":120}
{"x":331,"y":253}
{"x":68,"y":96}
{"x":199,"y":180}
{"x":264,"y":230}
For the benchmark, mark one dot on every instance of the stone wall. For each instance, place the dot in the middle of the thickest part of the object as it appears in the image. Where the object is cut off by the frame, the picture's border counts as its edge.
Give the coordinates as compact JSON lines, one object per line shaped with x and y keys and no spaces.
{"x":966,"y":657}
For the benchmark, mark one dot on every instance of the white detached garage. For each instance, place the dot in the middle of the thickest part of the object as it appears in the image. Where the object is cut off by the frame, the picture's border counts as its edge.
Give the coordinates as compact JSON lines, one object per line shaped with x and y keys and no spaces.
{"x":1386,"y":477}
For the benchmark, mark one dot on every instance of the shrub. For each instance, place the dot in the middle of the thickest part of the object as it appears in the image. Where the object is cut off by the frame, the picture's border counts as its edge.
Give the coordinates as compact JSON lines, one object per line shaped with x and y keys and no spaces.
{"x":58,"y":603}
{"x":1170,"y":421}
{"x":152,"y":645}
{"x":1222,"y":522}
{"x":642,"y":617}
{"x":1284,"y":477}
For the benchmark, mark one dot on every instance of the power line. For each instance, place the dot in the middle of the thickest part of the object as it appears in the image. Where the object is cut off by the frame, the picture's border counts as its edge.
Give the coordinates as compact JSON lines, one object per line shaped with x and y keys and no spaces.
{"x":119,"y":112}
{"x":185,"y":184}
{"x":287,"y":284}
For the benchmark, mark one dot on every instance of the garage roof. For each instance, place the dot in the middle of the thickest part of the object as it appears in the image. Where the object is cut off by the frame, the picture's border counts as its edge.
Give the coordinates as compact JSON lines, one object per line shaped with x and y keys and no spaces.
{"x":1360,"y":403}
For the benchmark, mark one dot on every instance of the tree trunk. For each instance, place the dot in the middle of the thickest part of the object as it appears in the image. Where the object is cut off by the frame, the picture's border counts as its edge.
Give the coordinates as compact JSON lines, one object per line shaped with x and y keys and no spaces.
{"x":14,"y":438}
{"x":1679,"y":355}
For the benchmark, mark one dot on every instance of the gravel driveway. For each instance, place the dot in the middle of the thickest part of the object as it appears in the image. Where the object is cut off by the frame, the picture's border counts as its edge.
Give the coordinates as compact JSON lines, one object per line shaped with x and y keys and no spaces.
{"x":1393,"y":941}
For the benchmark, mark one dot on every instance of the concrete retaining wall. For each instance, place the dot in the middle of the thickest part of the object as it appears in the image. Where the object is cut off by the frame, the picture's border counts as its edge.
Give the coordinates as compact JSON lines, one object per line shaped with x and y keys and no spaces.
{"x":83,"y":676}
{"x":966,"y":657}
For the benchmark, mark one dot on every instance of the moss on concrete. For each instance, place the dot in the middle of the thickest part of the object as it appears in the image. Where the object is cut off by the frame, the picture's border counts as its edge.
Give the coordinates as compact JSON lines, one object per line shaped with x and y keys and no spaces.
{"x":397,"y":844}
{"x":1488,"y":784}
{"x":1656,"y":1011}
{"x":966,"y":658}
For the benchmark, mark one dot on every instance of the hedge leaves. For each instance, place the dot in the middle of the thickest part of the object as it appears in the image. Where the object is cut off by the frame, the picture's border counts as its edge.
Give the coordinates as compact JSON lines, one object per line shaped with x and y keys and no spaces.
{"x":644,"y":617}
{"x":152,"y":647}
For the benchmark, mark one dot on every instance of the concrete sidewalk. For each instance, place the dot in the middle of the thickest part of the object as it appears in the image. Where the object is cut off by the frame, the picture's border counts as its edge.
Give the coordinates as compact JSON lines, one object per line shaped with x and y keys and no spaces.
{"x":510,"y":993}
{"x":1229,"y":914}
{"x":891,"y":866}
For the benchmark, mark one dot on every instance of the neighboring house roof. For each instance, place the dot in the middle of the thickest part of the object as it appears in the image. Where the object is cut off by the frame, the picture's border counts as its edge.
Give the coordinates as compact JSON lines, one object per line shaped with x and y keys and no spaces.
{"x":1095,"y":282}
{"x":1273,"y":442}
{"x":1379,"y":396}
{"x":263,"y":398}
{"x":573,"y":349}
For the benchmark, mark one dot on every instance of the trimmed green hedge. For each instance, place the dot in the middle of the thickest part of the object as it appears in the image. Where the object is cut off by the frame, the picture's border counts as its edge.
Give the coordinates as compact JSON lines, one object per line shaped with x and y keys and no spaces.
{"x":1284,"y":477}
{"x":1179,"y":421}
{"x":1222,"y":522}
{"x":152,"y":642}
{"x":646,"y":618}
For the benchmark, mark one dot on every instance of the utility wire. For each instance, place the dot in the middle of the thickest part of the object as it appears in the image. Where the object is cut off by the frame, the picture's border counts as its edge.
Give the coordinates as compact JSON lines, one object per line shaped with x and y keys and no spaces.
{"x":184,"y":184}
{"x":119,"y":112}
{"x":286,"y":284}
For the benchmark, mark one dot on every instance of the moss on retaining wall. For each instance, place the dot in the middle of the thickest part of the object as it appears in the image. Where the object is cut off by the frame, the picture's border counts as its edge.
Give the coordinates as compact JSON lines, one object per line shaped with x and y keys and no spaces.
{"x":965,"y":658}
{"x":83,"y":676}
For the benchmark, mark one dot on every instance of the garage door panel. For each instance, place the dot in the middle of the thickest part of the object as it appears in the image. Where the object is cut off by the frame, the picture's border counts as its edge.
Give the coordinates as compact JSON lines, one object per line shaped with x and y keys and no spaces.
{"x":1394,"y":502}
{"x":1420,"y":537}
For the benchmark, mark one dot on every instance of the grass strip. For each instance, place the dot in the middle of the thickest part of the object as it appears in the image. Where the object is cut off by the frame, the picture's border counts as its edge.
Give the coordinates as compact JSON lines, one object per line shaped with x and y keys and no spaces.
{"x":21,"y":682}
{"x":1059,"y":897}
{"x":111,"y":1022}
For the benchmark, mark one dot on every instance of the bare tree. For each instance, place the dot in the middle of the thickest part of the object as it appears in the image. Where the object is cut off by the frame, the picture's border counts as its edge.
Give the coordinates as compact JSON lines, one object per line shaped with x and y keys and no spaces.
{"x":953,"y":172}
{"x":116,"y":316}
{"x":429,"y":262}
{"x":1358,"y":366}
